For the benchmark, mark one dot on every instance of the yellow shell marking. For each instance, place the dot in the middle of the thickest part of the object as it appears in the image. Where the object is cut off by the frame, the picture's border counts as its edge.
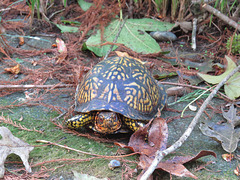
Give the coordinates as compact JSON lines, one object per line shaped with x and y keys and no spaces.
{"x":142,"y":94}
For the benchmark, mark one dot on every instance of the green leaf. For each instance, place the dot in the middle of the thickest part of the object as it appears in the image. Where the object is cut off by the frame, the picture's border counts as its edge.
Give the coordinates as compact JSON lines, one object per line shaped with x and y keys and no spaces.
{"x":18,"y":60}
{"x":64,"y":28}
{"x":84,"y":5}
{"x":133,"y":36}
{"x":217,"y":79}
{"x":232,"y":86}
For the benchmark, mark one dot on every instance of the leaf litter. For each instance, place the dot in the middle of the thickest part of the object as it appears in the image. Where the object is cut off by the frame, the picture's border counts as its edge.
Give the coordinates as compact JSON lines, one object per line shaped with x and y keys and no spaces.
{"x":227,"y":133}
{"x":157,"y":137}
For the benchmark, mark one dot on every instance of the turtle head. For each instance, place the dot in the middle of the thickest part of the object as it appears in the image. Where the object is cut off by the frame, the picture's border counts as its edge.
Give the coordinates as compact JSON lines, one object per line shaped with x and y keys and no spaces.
{"x":107,"y":122}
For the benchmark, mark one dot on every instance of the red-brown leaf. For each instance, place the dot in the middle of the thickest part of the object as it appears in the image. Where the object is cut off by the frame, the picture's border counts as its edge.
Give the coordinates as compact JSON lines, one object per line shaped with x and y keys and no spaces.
{"x":157,"y":138}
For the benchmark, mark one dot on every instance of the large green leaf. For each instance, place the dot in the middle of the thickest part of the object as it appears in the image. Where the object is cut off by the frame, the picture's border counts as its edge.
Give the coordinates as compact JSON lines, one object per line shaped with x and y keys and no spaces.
{"x":133,"y":36}
{"x":232,"y":86}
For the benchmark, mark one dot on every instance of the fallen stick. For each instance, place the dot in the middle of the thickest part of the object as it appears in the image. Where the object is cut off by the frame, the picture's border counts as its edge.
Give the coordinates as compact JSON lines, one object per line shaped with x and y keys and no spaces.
{"x":83,"y":152}
{"x":35,"y":86}
{"x":194,"y":32}
{"x":221,"y":16}
{"x":161,"y":154}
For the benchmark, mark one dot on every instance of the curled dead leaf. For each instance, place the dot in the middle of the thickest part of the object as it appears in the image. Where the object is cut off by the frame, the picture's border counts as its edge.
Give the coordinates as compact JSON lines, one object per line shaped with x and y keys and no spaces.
{"x":228,"y":157}
{"x":156,"y":135}
{"x":21,"y":40}
{"x":62,"y":49}
{"x":13,"y":70}
{"x":237,"y":171}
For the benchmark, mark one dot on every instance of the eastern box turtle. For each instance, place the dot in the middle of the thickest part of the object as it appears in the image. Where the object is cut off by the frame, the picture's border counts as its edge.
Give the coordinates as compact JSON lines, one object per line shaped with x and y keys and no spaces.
{"x":117,"y":92}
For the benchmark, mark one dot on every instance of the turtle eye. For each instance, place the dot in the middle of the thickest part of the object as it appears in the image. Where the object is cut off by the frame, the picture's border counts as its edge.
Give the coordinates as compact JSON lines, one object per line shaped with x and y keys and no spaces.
{"x":100,"y":118}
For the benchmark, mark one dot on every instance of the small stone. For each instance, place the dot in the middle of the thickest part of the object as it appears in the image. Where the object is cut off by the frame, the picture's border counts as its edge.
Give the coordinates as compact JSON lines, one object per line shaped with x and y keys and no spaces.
{"x":114,"y":164}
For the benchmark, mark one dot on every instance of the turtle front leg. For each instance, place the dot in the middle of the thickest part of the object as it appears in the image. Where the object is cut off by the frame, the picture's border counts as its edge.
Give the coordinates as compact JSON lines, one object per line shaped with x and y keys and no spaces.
{"x":79,"y":120}
{"x":133,"y":124}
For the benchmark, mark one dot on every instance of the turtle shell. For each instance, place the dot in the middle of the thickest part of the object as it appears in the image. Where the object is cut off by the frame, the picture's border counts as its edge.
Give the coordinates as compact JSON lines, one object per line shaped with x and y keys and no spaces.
{"x":122,"y":85}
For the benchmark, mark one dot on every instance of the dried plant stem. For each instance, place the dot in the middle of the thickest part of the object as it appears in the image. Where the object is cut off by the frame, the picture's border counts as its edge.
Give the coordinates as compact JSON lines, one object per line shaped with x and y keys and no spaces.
{"x":13,"y":123}
{"x":161,"y":154}
{"x":221,"y":16}
{"x":194,"y":31}
{"x":83,"y":152}
{"x":35,"y":86}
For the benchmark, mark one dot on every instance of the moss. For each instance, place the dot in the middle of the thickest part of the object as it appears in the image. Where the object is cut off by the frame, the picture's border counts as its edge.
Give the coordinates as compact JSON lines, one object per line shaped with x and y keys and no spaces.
{"x":235,"y":44}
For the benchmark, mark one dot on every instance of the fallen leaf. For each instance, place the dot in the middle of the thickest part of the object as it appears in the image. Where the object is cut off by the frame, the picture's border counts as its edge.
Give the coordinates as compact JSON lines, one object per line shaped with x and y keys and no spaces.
{"x":13,"y":70}
{"x":232,"y":86}
{"x":21,"y":40}
{"x":122,"y":54}
{"x":175,"y":165}
{"x":133,"y":35}
{"x":10,"y":144}
{"x":186,"y":26}
{"x":157,"y":136}
{"x":237,"y":171}
{"x":62,"y":49}
{"x":224,"y":133}
{"x":228,"y":157}
{"x":231,"y":116}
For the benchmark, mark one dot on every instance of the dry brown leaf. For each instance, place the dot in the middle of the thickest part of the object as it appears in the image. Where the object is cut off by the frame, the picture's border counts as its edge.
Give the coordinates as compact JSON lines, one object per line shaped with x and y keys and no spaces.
{"x":175,"y":165}
{"x":10,"y":144}
{"x":228,"y":157}
{"x":21,"y":40}
{"x":157,"y":139}
{"x":13,"y":70}
{"x":122,"y":54}
{"x":125,"y":54}
{"x":62,"y":49}
{"x":237,"y":171}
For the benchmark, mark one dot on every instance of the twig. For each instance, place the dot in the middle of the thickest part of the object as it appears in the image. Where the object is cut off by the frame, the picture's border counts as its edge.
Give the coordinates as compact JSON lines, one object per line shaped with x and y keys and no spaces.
{"x":14,"y":123}
{"x":35,"y":86}
{"x":83,"y":152}
{"x":161,"y":154}
{"x":194,"y":87}
{"x":221,"y":16}
{"x":194,"y":31}
{"x":115,"y":40}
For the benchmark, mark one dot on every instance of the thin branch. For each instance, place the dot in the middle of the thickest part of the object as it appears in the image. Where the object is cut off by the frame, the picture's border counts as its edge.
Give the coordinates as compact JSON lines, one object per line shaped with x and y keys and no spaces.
{"x":221,"y":16}
{"x":35,"y":86}
{"x":161,"y":154}
{"x":83,"y":152}
{"x":194,"y":31}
